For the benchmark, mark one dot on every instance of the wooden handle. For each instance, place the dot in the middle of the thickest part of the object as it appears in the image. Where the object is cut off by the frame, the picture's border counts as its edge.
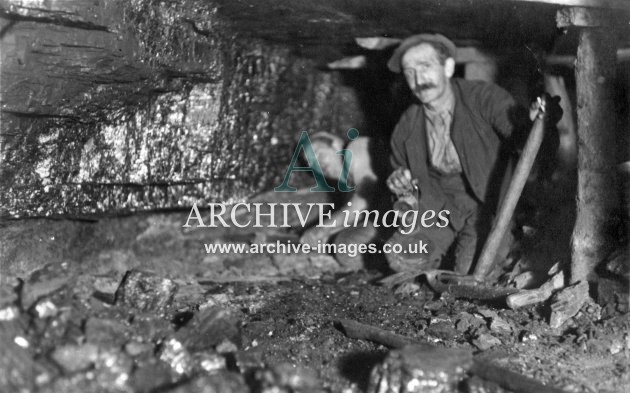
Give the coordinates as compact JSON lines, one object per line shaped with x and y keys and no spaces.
{"x":533,"y":296}
{"x":528,"y":297}
{"x":506,"y":210}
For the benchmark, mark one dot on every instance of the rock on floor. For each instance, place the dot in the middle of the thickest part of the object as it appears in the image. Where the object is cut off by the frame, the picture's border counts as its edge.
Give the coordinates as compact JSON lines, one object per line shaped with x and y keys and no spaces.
{"x":418,"y":369}
{"x":145,"y":291}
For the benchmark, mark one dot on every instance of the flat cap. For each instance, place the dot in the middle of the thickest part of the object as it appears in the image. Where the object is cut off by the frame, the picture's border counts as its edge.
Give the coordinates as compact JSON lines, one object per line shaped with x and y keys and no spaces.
{"x":394,"y":62}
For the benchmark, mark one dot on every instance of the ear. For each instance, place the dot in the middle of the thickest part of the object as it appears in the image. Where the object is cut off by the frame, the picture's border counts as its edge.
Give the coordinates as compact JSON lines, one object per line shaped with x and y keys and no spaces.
{"x":449,"y":67}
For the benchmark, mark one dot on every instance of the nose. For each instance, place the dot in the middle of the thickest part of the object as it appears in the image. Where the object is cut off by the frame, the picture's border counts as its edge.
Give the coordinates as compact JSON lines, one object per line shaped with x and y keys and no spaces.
{"x":419,"y":79}
{"x":416,"y":79}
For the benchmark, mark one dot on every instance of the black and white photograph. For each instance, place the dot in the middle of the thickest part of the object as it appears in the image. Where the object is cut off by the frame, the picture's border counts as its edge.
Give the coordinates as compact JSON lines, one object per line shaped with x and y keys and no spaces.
{"x":324,"y":196}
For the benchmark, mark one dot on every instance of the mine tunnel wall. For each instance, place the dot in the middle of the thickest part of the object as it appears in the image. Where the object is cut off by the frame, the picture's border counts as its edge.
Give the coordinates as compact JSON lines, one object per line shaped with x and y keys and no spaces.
{"x":117,"y":107}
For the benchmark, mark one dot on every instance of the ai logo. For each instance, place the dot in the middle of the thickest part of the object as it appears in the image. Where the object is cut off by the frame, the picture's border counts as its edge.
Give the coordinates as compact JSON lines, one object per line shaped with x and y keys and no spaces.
{"x":313,"y":166}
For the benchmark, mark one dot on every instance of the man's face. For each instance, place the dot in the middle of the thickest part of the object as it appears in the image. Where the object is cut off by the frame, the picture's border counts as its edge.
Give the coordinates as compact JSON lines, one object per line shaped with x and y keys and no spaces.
{"x":427,"y":78}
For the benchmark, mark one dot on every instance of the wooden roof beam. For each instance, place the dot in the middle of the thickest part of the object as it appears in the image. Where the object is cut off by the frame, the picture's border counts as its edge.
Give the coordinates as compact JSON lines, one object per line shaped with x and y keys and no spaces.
{"x":616,"y":4}
{"x":623,"y":56}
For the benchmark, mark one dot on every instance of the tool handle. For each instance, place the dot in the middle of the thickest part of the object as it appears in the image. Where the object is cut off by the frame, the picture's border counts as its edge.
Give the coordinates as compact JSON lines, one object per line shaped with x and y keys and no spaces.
{"x":513,"y":194}
{"x":527,"y":297}
{"x":538,"y":295}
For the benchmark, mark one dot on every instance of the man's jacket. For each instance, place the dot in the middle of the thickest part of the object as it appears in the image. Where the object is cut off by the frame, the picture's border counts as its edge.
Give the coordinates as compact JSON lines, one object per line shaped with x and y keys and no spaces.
{"x":486,"y":119}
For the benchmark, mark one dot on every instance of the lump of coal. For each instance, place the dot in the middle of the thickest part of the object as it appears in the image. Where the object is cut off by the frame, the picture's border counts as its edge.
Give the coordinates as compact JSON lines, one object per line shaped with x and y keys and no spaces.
{"x":286,"y":378}
{"x":150,"y":327}
{"x":407,"y":289}
{"x":416,"y":369}
{"x":151,"y":375}
{"x":476,"y":384}
{"x":108,"y":332}
{"x":9,"y":313}
{"x":209,"y":362}
{"x":45,"y":309}
{"x":46,"y":372}
{"x":209,"y":328}
{"x":16,"y":362}
{"x":77,"y":383}
{"x":221,"y":382}
{"x":72,"y":358}
{"x":145,"y":292}
{"x":136,"y":348}
{"x":175,"y":354}
{"x":248,"y":360}
{"x":184,"y":362}
{"x":496,"y":323}
{"x":105,"y":288}
{"x":486,"y":341}
{"x":43,"y":282}
{"x":64,"y":328}
{"x":113,"y":369}
{"x":442,"y":329}
{"x":467,"y":321}
{"x":567,"y":302}
{"x":613,"y":294}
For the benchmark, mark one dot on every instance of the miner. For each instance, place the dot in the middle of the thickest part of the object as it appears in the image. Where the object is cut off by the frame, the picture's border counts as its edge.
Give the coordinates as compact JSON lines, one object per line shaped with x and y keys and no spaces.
{"x":450,"y":149}
{"x":365,"y":176}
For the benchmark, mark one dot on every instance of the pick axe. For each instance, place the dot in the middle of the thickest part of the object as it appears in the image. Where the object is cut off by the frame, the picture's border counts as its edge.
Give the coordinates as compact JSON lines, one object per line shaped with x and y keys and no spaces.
{"x":501,"y":223}
{"x":486,"y":260}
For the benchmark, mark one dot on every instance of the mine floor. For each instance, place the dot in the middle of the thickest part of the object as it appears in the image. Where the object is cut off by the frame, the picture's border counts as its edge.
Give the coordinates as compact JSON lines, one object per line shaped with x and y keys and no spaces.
{"x":71,"y":331}
{"x":135,"y":304}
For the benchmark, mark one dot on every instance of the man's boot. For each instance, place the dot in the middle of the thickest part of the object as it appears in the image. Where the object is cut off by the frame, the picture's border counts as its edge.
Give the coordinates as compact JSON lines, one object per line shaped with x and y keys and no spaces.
{"x":414,"y":252}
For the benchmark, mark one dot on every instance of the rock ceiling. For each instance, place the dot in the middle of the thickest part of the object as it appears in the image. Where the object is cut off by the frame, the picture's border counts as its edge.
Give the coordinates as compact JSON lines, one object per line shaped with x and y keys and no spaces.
{"x":326,"y":28}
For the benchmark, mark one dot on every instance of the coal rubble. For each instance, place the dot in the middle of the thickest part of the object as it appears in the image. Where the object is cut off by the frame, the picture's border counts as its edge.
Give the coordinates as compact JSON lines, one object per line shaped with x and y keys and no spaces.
{"x":157,"y":334}
{"x":59,"y":337}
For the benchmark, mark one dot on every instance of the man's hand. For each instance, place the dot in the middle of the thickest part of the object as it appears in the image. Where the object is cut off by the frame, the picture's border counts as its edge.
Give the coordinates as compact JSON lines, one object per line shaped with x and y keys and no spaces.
{"x":400,"y":182}
{"x":552,"y":108}
{"x":312,"y":235}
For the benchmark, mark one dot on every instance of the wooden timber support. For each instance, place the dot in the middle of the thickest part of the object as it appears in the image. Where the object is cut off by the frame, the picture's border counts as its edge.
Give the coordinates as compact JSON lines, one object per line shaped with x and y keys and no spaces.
{"x":597,"y":194}
{"x":615,"y":4}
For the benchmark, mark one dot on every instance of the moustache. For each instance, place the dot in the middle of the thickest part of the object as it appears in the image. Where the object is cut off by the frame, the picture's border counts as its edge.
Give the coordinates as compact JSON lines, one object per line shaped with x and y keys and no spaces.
{"x":425,"y":86}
